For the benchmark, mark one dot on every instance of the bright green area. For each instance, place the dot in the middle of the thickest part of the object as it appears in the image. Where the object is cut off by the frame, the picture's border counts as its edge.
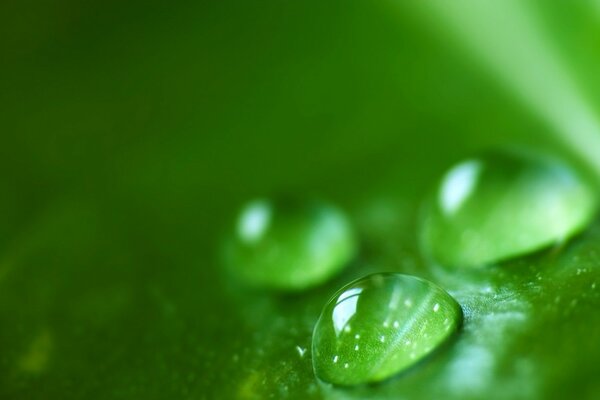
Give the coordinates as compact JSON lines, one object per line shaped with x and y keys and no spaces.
{"x":288,"y":244}
{"x":380,"y":325}
{"x":133,"y":132}
{"x":503,"y":204}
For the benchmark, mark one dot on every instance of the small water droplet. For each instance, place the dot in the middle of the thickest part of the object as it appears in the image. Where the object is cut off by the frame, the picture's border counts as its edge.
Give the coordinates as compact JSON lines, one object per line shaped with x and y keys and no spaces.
{"x":367,"y":303}
{"x":502,"y":205}
{"x":300,"y":351}
{"x":289,"y":244}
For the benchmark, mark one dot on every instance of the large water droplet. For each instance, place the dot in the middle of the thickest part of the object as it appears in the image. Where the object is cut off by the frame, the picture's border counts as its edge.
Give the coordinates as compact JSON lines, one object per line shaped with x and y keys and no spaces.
{"x":504,"y":204}
{"x":380,"y":325}
{"x":289,"y":244}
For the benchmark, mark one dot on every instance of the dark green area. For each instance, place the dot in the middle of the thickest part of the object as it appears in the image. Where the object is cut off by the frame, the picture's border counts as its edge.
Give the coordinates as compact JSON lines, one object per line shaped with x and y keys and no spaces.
{"x":132,"y":132}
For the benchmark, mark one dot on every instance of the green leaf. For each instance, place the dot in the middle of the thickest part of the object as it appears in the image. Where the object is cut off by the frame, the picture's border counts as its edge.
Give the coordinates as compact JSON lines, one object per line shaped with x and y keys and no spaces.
{"x":132,"y":132}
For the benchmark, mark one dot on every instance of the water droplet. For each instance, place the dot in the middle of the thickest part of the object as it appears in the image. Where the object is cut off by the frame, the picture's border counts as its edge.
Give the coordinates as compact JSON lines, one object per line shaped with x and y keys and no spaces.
{"x":289,"y":244}
{"x":384,"y":350}
{"x":502,"y":205}
{"x":300,"y":351}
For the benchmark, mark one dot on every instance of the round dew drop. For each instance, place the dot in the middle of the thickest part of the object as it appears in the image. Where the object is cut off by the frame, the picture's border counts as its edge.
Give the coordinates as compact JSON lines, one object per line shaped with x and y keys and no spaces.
{"x":502,"y":205}
{"x":289,"y":244}
{"x":380,"y":325}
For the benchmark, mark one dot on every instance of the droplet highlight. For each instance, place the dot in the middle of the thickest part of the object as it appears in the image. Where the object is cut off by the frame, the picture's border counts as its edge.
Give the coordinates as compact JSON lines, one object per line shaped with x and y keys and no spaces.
{"x":288,"y":244}
{"x":386,"y":336}
{"x":502,"y":205}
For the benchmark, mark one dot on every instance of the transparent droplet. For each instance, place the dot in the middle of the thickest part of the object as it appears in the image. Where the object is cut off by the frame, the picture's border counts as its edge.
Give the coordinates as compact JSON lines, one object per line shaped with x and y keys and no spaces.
{"x":504,"y":204}
{"x":289,"y":244}
{"x":367,"y":333}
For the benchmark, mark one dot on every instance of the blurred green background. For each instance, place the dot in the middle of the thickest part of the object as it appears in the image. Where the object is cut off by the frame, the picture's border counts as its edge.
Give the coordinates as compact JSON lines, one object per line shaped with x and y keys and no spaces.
{"x":132,"y":132}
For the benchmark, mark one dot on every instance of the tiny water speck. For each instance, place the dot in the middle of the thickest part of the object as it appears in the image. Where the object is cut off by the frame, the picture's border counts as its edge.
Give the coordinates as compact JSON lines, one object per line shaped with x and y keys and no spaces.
{"x":300,"y":351}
